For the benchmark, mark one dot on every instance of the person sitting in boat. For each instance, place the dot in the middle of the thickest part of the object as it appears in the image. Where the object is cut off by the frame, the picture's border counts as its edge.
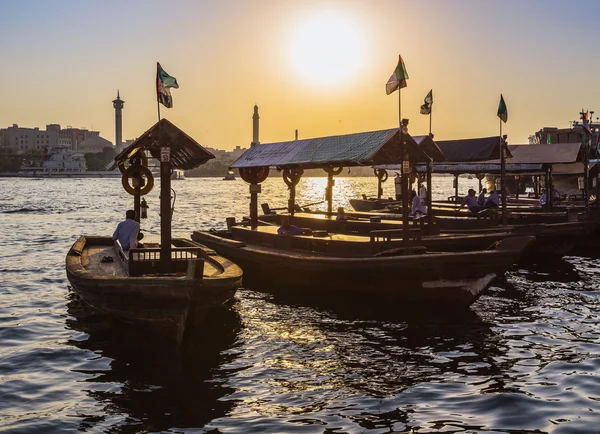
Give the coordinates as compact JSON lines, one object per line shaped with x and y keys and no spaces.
{"x":287,"y":228}
{"x":543,"y":198}
{"x":417,"y":207}
{"x":128,"y":231}
{"x":341,"y":214}
{"x":492,"y":201}
{"x":471,"y":201}
{"x":481,"y":198}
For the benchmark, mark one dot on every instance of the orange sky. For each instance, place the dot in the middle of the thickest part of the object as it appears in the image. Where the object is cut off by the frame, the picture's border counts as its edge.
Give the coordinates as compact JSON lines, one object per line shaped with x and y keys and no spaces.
{"x":316,"y":66}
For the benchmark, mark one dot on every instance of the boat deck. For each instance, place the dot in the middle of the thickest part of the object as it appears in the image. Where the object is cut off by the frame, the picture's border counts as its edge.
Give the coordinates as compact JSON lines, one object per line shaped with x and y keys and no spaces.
{"x":91,"y":260}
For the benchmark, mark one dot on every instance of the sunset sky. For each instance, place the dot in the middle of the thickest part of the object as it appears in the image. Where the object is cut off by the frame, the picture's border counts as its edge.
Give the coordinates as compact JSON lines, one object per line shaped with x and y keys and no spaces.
{"x":317,"y":66}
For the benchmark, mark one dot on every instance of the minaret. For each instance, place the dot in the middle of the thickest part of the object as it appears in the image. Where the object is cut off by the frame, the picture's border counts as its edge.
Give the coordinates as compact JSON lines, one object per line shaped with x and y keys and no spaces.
{"x":255,"y":127}
{"x":118,"y":105}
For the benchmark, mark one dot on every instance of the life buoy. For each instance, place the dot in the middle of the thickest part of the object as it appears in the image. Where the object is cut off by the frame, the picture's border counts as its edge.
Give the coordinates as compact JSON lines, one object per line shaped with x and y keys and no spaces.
{"x":291,"y":177}
{"x":381,"y":174}
{"x":136,"y":172}
{"x":333,"y":170}
{"x":140,"y":154}
{"x":254,"y":175}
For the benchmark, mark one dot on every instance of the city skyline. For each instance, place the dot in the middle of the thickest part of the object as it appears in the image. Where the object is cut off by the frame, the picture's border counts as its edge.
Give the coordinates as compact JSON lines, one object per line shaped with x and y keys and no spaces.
{"x":318,"y":66}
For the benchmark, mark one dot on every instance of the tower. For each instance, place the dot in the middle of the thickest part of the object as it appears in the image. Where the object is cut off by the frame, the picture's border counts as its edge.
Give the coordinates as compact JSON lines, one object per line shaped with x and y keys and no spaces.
{"x":255,"y":127}
{"x":118,"y":105}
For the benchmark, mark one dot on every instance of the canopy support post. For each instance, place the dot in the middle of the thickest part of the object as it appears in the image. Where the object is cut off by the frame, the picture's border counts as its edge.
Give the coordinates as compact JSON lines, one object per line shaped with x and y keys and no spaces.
{"x":428,"y":199}
{"x":254,"y":189}
{"x":329,"y":192}
{"x":165,"y":209}
{"x":503,"y":177}
{"x":456,"y":185}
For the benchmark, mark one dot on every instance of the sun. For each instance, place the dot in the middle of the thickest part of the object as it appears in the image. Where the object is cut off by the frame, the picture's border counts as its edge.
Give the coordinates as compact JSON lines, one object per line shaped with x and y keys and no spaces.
{"x":327,"y":49}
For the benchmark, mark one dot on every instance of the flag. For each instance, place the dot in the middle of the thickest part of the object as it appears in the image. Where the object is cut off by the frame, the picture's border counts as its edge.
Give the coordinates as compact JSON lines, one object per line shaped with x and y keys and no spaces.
{"x":398,"y":78}
{"x":426,"y":108}
{"x":549,"y":139}
{"x":163,"y":83}
{"x":502,"y":111}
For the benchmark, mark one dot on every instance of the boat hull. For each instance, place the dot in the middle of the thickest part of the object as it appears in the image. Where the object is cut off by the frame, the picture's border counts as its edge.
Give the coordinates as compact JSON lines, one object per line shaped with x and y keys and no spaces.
{"x":169,"y":305}
{"x":455,"y":279}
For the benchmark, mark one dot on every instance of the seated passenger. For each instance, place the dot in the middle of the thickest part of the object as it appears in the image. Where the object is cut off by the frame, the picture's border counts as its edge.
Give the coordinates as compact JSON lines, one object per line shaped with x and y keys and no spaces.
{"x":417,"y":207}
{"x":481,"y":198}
{"x":543,"y":198}
{"x":471,"y":201}
{"x":127,"y":231}
{"x":341,"y":214}
{"x":288,"y":229}
{"x":492,"y":201}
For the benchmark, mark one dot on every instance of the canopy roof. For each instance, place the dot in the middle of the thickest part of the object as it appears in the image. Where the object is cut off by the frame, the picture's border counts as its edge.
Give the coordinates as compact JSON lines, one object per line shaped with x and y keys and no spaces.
{"x":553,"y":153}
{"x":358,"y":149}
{"x":471,"y":150}
{"x":525,"y":159}
{"x":483,"y":167}
{"x":186,"y":153}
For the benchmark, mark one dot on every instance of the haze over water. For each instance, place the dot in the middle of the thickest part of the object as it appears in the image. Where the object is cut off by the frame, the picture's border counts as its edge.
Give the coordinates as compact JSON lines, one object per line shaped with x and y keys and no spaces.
{"x":523,"y":359}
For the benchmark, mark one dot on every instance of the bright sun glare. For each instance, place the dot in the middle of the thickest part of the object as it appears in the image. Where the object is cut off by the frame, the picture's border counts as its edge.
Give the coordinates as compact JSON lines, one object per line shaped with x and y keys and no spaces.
{"x":327,"y":49}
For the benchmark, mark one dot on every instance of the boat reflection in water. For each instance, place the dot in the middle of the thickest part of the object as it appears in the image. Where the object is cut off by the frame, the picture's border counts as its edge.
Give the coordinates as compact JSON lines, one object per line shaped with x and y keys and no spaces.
{"x":160,"y":384}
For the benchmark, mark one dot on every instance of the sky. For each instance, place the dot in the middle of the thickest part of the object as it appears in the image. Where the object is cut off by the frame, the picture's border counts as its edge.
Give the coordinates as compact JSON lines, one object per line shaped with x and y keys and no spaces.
{"x":318,"y":66}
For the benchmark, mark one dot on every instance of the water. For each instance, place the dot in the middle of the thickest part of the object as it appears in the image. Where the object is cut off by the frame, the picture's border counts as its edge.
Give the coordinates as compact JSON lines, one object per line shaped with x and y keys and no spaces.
{"x":523,"y":359}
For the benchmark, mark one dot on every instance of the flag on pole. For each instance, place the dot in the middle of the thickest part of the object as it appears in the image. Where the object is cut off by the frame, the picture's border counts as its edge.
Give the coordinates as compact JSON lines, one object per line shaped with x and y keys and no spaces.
{"x":398,"y":78}
{"x":502,"y":111}
{"x":163,"y":83}
{"x":426,"y":108}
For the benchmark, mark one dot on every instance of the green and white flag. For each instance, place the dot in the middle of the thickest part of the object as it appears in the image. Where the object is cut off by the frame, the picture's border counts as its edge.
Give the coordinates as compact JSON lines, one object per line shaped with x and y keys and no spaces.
{"x":502,"y":110}
{"x":426,"y":108}
{"x":163,"y":83}
{"x":398,"y":78}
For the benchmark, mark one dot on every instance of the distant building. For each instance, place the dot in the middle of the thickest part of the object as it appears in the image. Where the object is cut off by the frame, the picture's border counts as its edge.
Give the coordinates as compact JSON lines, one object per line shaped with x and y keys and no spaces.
{"x":19,"y":140}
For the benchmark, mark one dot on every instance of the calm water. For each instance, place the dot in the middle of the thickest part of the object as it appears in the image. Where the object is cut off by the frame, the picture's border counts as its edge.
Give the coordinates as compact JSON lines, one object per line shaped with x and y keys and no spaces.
{"x":525,"y":358}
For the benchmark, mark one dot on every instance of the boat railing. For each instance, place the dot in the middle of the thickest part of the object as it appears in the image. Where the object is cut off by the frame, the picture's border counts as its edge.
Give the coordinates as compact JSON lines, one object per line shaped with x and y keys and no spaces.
{"x":140,"y":261}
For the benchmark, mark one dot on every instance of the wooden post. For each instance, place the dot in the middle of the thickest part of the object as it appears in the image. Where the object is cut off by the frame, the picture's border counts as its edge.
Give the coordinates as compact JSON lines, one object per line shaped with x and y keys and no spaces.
{"x":136,"y":206}
{"x":165,"y":209}
{"x":503,"y":177}
{"x":254,"y":190}
{"x":586,"y":167}
{"x":429,"y":198}
{"x":549,"y":186}
{"x":292,"y":199}
{"x":456,"y":185}
{"x":379,"y":188}
{"x":404,"y":174}
{"x":329,"y":192}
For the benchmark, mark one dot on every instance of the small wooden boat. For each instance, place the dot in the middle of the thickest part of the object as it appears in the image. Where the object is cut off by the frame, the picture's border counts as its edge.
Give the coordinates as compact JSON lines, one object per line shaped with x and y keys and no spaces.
{"x":353,"y":264}
{"x":372,"y":203}
{"x":127,"y":286}
{"x":168,"y":286}
{"x":229,"y":176}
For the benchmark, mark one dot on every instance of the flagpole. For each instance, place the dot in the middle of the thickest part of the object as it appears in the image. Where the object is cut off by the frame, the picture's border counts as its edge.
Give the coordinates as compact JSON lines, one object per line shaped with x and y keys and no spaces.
{"x":430,"y":114}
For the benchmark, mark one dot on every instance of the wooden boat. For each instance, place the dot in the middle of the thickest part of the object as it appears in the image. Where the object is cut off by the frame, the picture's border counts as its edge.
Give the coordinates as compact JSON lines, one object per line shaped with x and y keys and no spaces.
{"x":229,"y":176}
{"x":169,"y":303}
{"x":372,"y":203}
{"x":553,"y":240}
{"x":167,"y":286}
{"x":380,"y":264}
{"x":354,"y":264}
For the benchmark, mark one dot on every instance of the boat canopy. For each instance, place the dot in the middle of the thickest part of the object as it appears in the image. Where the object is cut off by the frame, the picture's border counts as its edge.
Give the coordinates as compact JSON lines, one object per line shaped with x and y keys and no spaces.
{"x":358,"y":149}
{"x":472,"y":150}
{"x":483,"y":167}
{"x":526,"y":159}
{"x":186,"y":153}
